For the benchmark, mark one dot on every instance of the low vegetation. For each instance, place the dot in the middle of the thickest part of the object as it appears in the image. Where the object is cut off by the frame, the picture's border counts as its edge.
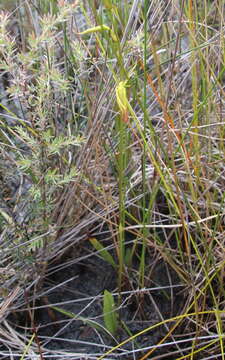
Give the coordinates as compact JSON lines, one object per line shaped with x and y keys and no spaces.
{"x":112,"y":149}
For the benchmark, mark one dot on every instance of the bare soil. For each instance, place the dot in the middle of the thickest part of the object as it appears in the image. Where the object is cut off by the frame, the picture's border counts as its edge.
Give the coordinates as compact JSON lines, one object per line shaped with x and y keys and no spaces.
{"x":76,"y":288}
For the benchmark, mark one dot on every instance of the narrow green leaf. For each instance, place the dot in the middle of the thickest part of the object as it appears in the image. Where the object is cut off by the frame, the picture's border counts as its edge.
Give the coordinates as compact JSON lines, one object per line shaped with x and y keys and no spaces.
{"x":27,"y":347}
{"x":93,"y":324}
{"x":110,"y":316}
{"x":103,"y":252}
{"x":128,"y":256}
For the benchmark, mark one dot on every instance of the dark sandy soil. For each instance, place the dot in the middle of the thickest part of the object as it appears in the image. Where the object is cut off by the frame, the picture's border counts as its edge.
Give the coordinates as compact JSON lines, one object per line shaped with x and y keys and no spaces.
{"x":77,"y":287}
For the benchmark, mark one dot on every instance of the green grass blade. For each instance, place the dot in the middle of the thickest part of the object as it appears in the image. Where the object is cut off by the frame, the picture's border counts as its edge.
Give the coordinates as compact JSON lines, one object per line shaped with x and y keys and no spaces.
{"x":110,"y":316}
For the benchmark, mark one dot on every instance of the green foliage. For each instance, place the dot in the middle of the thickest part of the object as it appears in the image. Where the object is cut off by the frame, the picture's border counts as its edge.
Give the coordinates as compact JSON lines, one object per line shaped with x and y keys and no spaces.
{"x":27,"y":347}
{"x":109,"y":312}
{"x":93,"y":324}
{"x":103,"y":252}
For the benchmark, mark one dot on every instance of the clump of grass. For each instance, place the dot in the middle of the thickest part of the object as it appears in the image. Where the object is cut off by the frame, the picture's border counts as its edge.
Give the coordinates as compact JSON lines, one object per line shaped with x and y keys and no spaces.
{"x":113,"y":114}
